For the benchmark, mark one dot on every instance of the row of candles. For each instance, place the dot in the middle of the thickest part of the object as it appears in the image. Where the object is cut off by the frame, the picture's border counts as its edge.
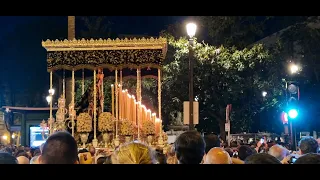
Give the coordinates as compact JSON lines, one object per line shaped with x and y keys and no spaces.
{"x":132,"y":110}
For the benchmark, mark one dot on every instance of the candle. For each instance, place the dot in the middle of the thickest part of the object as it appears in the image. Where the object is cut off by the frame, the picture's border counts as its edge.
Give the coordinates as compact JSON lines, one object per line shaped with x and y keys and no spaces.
{"x":128,"y":107}
{"x":139,"y":117}
{"x":148,"y":115}
{"x":133,"y":109}
{"x":120,"y":100}
{"x":154,"y":118}
{"x":157,"y":125}
{"x":112,"y":99}
{"x":125,"y":97}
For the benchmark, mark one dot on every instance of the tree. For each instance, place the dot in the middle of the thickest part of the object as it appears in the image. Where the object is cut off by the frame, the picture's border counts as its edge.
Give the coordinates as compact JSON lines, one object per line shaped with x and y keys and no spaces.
{"x":241,"y":31}
{"x":222,"y":76}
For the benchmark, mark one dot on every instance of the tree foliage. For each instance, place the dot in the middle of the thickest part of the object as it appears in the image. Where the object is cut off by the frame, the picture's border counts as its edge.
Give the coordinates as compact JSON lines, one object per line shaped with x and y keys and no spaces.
{"x":222,"y":76}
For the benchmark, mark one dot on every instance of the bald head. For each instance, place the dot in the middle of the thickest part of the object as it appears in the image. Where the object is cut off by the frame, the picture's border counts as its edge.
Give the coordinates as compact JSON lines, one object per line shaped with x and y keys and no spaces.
{"x":278,"y":152}
{"x":23,"y":160}
{"x":217,"y":156}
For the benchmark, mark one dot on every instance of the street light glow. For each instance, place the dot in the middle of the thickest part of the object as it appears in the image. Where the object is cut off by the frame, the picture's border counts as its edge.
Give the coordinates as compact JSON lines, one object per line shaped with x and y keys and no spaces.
{"x":293,"y":113}
{"x":4,"y":137}
{"x":264,"y":93}
{"x":191,"y":29}
{"x":49,"y":99}
{"x":294,"y":68}
{"x":51,"y":92}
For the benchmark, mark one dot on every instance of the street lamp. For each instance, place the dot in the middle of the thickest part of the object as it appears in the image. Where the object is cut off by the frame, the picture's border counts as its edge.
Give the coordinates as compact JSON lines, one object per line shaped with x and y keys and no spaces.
{"x":264,"y":93}
{"x":191,"y":31}
{"x":49,"y":99}
{"x":294,"y":68}
{"x":51,"y":92}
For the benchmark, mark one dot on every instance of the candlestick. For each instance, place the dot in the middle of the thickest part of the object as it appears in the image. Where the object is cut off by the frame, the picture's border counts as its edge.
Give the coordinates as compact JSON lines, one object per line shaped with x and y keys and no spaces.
{"x":128,"y":107}
{"x":148,"y":115}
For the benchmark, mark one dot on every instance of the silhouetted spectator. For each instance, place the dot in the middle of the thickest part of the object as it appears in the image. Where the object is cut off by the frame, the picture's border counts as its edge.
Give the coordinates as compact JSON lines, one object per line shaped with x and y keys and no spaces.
{"x":311,"y":158}
{"x":211,"y":141}
{"x":60,"y":148}
{"x":308,"y":145}
{"x":190,"y":148}
{"x":261,"y":158}
{"x":6,"y":158}
{"x":245,"y":151}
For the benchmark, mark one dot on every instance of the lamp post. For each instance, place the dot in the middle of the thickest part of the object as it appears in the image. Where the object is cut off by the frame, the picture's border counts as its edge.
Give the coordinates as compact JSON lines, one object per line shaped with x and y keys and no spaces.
{"x":49,"y":100}
{"x":293,"y":113}
{"x":191,"y":30}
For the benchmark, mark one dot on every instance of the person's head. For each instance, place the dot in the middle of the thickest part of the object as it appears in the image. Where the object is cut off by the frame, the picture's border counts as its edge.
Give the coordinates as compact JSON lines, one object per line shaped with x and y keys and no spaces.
{"x":92,"y":150}
{"x":211,"y":141}
{"x":261,"y":158}
{"x":108,"y":160}
{"x":41,"y":147}
{"x":245,"y":151}
{"x":161,"y":158}
{"x":278,"y":152}
{"x":25,"y":154}
{"x":189,"y":148}
{"x":34,"y":160}
{"x":101,"y":159}
{"x":133,"y":153}
{"x":310,"y":158}
{"x":229,"y":151}
{"x":308,"y":145}
{"x":6,"y":158}
{"x":23,"y":160}
{"x":217,"y":156}
{"x":60,"y":148}
{"x":37,"y":152}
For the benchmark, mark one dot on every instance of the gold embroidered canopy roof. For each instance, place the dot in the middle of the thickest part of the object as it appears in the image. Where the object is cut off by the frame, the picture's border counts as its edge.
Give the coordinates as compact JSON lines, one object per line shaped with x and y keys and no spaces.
{"x":111,"y":54}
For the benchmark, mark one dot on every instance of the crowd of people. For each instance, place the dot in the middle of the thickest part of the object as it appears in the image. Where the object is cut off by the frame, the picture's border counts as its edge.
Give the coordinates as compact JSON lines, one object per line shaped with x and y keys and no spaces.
{"x":189,"y":148}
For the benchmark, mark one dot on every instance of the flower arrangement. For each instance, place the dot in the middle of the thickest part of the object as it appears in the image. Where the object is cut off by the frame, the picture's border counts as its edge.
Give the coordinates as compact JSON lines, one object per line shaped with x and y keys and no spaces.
{"x":127,"y":128}
{"x":105,"y":122}
{"x":84,"y":123}
{"x":148,"y":128}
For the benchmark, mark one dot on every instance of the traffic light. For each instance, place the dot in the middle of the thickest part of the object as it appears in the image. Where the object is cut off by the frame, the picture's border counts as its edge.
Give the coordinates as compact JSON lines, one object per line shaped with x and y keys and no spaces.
{"x":293,"y":96}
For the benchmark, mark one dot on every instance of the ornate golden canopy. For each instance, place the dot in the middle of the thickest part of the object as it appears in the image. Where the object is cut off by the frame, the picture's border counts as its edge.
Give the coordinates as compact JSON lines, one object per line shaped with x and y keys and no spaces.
{"x":111,"y":54}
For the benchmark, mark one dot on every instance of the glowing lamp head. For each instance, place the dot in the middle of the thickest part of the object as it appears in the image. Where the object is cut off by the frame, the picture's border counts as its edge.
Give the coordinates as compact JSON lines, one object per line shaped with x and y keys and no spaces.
{"x":294,"y":68}
{"x":293,"y":113}
{"x":4,"y":137}
{"x":51,"y":92}
{"x":191,"y":29}
{"x":264,"y":93}
{"x":49,"y":99}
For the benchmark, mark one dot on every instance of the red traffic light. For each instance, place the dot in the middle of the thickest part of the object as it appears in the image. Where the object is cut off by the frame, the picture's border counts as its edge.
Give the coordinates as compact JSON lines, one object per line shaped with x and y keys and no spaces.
{"x":284,"y":118}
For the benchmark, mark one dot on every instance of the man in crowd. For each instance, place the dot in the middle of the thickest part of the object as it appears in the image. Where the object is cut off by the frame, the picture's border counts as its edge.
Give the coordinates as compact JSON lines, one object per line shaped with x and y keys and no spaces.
{"x":308,"y":145}
{"x":23,"y":160}
{"x":278,"y":152}
{"x":211,"y":141}
{"x":190,"y":148}
{"x":261,"y":158}
{"x":310,"y":158}
{"x":6,"y":158}
{"x":217,"y":156}
{"x":60,"y":148}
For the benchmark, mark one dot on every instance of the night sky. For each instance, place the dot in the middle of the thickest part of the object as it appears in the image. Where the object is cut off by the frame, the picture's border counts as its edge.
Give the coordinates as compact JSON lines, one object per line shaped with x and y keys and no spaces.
{"x":23,"y":60}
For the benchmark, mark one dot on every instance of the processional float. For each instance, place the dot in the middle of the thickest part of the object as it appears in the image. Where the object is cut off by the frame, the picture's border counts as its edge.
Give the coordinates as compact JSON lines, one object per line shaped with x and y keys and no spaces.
{"x":128,"y":118}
